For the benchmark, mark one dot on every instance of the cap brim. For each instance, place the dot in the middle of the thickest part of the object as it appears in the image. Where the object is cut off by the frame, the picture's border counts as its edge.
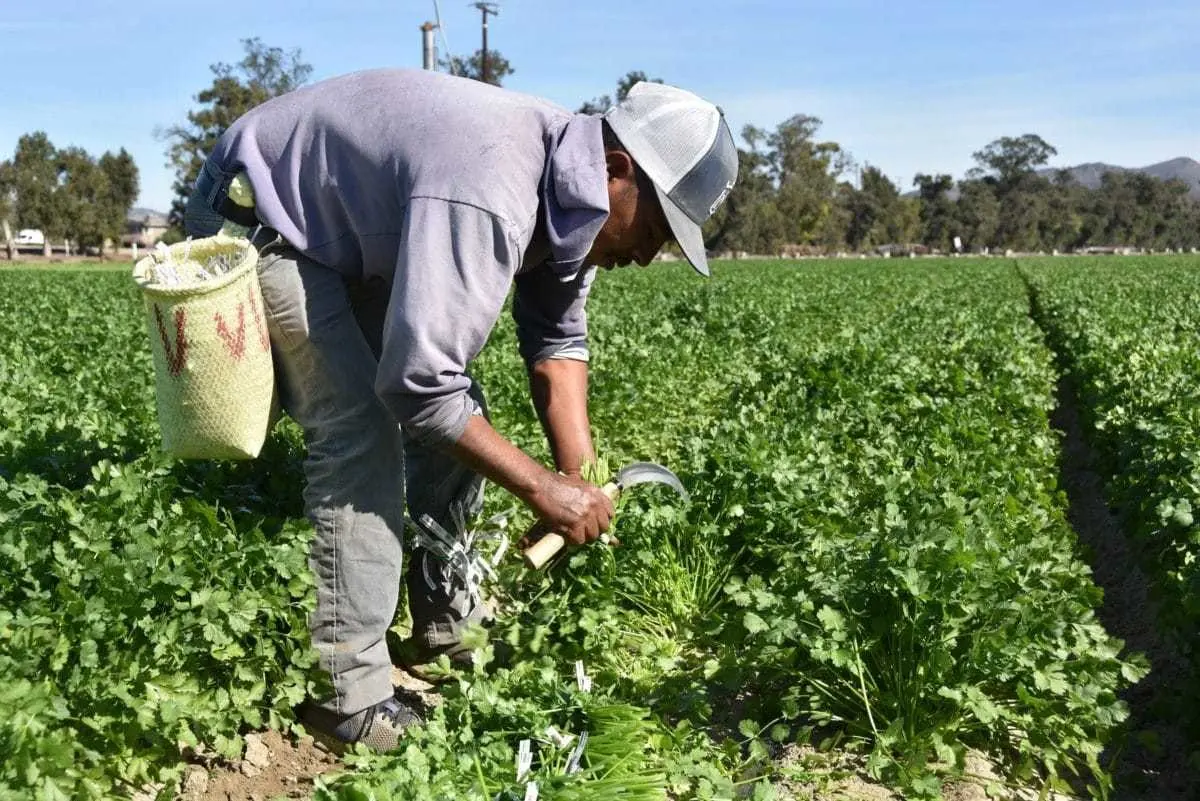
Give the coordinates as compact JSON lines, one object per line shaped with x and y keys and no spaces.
{"x":687,"y":233}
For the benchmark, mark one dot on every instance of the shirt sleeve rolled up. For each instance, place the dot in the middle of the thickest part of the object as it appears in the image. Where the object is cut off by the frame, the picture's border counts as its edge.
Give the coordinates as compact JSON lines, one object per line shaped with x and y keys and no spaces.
{"x":454,"y":268}
{"x":550,"y":313}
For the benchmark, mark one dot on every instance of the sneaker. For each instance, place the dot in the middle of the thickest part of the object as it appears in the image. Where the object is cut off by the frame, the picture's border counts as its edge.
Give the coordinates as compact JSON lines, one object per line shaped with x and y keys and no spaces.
{"x":380,"y":727}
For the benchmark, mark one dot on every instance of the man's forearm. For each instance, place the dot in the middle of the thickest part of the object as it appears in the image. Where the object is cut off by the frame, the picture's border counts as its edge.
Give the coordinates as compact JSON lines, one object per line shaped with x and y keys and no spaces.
{"x":485,"y":451}
{"x":559,"y":389}
{"x":564,"y":504}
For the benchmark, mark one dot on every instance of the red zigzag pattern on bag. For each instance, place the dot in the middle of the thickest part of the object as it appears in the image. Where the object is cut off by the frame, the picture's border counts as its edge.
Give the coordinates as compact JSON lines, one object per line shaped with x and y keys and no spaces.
{"x":178,"y":357}
{"x":234,"y":343}
{"x":263,"y":338}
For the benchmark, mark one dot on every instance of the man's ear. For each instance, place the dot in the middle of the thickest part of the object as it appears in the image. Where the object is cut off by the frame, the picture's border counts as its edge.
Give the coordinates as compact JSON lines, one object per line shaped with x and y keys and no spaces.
{"x":620,"y":165}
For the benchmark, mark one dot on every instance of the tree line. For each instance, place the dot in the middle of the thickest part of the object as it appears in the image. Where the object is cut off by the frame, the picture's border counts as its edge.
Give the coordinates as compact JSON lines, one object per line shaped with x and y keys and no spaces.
{"x":796,"y":193}
{"x":67,"y":193}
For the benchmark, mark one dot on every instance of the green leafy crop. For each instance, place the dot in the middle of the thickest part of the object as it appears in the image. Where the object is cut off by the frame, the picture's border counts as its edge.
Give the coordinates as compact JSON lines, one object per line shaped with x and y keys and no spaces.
{"x":1126,"y":331}
{"x":875,"y":555}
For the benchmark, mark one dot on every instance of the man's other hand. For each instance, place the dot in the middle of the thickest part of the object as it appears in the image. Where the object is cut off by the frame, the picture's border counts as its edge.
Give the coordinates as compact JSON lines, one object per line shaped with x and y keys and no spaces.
{"x":572,"y":507}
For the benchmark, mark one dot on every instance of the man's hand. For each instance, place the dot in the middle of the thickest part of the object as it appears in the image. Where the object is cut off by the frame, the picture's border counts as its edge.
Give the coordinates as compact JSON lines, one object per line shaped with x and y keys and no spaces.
{"x":566,"y":505}
{"x":572,"y":507}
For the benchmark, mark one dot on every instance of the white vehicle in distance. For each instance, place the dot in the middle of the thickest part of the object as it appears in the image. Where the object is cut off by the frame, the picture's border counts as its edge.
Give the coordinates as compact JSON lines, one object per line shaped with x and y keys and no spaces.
{"x":30,"y":236}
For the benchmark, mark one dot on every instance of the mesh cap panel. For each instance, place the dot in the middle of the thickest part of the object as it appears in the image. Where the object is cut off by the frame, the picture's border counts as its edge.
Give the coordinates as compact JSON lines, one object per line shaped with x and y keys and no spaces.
{"x":684,"y":146}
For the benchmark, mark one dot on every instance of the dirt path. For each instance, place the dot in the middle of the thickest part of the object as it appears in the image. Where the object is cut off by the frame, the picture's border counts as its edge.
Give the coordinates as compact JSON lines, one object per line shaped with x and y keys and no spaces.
{"x":1153,"y":764}
{"x":276,"y":765}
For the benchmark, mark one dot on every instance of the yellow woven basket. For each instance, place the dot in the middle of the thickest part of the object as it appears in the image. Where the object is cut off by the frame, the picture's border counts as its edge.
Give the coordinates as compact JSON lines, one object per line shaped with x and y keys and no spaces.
{"x":214,"y":378}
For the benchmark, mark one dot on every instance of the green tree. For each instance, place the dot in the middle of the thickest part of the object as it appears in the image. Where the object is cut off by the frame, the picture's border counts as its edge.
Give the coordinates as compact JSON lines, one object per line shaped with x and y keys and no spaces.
{"x":1024,"y":211}
{"x":904,"y":222}
{"x":978,"y":214}
{"x":833,"y":232}
{"x":263,"y":73}
{"x":121,"y":174}
{"x":498,"y":67}
{"x":859,"y":213}
{"x":66,"y":193}
{"x":1009,"y":159}
{"x":1009,"y":165}
{"x":34,"y":179}
{"x":7,"y":193}
{"x":1063,"y":224}
{"x":876,"y":214}
{"x":805,"y":173}
{"x":936,"y":210}
{"x":598,"y":105}
{"x":1131,"y":208}
{"x":1181,"y":216}
{"x":83,"y":192}
{"x":7,"y":202}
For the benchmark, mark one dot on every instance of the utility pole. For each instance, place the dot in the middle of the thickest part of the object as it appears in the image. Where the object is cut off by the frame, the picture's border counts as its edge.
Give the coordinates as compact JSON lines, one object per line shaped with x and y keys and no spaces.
{"x":485,"y":9}
{"x":428,"y":48}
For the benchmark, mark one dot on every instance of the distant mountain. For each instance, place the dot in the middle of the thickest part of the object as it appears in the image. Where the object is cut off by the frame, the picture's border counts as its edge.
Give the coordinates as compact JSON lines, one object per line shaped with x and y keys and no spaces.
{"x":141,"y":213}
{"x":1183,"y":169}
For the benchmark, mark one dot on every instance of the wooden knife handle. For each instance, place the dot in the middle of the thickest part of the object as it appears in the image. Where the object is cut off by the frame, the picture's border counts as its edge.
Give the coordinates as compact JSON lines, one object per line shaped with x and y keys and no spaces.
{"x":537,"y":555}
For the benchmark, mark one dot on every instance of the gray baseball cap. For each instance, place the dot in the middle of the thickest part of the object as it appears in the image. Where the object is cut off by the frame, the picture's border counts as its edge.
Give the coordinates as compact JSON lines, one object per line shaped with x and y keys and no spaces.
{"x":684,"y":146}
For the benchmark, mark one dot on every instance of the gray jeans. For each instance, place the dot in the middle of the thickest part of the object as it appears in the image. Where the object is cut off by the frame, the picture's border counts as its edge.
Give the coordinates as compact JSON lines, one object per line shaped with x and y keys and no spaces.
{"x":326,"y":334}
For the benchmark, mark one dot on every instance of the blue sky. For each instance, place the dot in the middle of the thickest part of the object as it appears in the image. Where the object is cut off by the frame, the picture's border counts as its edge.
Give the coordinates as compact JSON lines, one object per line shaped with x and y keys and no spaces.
{"x":907,"y":86}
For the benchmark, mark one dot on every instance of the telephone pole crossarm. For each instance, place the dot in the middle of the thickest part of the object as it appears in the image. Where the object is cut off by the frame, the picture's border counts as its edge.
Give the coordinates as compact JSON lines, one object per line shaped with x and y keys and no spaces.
{"x":485,"y":9}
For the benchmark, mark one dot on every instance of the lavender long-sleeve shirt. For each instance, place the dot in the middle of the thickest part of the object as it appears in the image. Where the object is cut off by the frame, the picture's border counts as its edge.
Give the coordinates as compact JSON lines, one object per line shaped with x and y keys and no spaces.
{"x":450,"y":190}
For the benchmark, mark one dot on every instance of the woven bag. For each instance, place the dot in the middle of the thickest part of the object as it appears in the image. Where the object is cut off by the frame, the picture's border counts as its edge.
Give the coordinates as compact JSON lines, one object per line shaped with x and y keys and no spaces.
{"x":214,"y":378}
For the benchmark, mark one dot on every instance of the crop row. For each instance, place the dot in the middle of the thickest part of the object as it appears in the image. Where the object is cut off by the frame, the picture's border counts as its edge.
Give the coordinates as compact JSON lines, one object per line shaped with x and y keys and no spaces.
{"x":143,"y":604}
{"x":1127,"y":337}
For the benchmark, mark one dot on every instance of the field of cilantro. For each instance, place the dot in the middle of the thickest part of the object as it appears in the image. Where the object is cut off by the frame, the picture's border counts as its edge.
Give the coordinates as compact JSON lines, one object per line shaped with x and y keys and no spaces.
{"x":876,"y":557}
{"x":1128,"y":339}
